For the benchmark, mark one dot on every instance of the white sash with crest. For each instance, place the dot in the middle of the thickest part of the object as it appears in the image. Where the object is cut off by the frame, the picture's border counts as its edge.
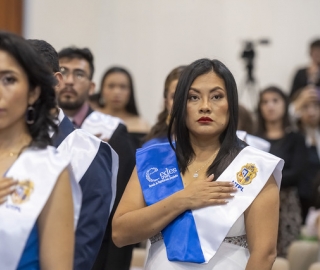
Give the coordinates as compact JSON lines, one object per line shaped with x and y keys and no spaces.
{"x":249,"y":172}
{"x":195,"y":236}
{"x":37,"y":172}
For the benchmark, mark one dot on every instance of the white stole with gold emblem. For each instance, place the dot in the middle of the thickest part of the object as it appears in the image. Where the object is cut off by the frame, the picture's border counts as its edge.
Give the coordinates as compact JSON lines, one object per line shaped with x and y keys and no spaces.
{"x":195,"y":236}
{"x":37,"y":172}
{"x":249,"y":172}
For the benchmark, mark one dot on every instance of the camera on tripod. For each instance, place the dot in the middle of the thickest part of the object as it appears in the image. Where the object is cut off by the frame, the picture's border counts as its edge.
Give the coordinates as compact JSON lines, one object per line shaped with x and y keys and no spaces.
{"x":248,"y":55}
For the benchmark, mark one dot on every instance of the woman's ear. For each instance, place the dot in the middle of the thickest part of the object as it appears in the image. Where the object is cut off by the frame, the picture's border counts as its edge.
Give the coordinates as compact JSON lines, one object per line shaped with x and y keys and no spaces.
{"x":34,"y":95}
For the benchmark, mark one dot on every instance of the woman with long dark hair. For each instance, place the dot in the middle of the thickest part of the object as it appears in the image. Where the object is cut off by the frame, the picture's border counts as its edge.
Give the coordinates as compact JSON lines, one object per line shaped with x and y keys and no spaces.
{"x":179,"y":194}
{"x":159,"y":131}
{"x":274,"y":126}
{"x":116,"y":98}
{"x":37,"y":226}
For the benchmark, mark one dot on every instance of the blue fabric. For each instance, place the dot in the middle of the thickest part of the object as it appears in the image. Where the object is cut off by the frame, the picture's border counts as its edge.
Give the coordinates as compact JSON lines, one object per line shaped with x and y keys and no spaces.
{"x":30,"y":256}
{"x":155,"y":141}
{"x":159,"y":176}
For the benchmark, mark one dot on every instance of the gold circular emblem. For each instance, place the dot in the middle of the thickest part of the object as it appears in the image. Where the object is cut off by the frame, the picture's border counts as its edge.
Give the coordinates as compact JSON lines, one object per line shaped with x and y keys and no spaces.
{"x":22,"y":192}
{"x":247,"y":173}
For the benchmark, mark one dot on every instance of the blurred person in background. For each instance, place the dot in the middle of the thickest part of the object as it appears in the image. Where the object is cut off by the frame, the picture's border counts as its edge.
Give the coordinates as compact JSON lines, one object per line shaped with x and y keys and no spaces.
{"x":117,"y":98}
{"x":311,"y":74}
{"x":76,"y":66}
{"x":274,"y":126}
{"x":159,"y":132}
{"x":246,"y":129}
{"x":307,"y":115}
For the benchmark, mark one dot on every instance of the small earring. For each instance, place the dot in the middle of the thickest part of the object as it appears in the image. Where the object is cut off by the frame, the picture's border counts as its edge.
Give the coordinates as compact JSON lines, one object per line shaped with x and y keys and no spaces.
{"x":30,"y":115}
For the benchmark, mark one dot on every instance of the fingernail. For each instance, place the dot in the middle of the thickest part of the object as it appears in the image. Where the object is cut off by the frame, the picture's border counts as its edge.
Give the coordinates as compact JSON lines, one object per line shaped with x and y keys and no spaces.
{"x":235,"y":189}
{"x":232,"y":195}
{"x":13,"y":188}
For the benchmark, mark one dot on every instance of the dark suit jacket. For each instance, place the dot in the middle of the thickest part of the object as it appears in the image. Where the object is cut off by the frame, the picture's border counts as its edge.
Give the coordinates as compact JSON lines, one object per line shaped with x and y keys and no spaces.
{"x":96,"y":200}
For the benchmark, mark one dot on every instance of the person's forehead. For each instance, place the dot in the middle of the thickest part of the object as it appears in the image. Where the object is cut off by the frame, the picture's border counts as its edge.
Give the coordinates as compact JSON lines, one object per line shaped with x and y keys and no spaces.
{"x":208,"y":80}
{"x":74,"y":63}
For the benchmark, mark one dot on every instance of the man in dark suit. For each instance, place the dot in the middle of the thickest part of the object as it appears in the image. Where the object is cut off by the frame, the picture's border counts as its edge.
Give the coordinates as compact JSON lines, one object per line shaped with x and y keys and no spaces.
{"x":76,"y":66}
{"x":95,"y":167}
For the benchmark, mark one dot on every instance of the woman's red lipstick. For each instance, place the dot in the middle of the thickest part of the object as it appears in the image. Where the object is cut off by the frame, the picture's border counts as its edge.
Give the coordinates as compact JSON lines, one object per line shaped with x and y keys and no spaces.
{"x":204,"y":120}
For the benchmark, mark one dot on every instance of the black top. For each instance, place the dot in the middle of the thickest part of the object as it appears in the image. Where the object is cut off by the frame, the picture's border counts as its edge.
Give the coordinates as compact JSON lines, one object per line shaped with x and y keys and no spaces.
{"x":313,"y":161}
{"x":292,"y":149}
{"x":315,"y":176}
{"x":300,"y":80}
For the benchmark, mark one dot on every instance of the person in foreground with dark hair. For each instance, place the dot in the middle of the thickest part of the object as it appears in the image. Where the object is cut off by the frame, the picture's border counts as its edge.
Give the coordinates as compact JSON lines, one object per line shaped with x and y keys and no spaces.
{"x":159,"y":132}
{"x":37,"y":219}
{"x":116,"y":98}
{"x":95,"y":165}
{"x":274,"y":126}
{"x":76,"y":66}
{"x":308,"y":76}
{"x":179,"y":190}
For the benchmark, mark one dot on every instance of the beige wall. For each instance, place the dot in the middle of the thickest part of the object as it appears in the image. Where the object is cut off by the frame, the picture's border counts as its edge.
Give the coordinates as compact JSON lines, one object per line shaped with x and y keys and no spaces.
{"x":150,"y":37}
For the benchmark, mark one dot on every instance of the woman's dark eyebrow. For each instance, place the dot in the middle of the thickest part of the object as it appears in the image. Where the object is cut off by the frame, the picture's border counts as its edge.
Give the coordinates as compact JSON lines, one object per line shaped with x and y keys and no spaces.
{"x":6,"y":71}
{"x":212,"y":90}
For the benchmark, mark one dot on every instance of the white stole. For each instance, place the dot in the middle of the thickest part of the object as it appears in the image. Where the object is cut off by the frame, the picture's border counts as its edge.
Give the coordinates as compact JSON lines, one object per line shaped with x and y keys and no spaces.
{"x":37,"y":172}
{"x":254,"y":141}
{"x":83,"y":147}
{"x":214,"y":222}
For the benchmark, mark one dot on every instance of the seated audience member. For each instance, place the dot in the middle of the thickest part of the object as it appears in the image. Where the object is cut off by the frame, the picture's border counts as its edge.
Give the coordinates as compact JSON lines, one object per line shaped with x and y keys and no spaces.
{"x":159,"y":132}
{"x":94,"y":164}
{"x":274,"y":126}
{"x":307,"y":116}
{"x":76,"y":66}
{"x":309,"y":75}
{"x":116,"y":98}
